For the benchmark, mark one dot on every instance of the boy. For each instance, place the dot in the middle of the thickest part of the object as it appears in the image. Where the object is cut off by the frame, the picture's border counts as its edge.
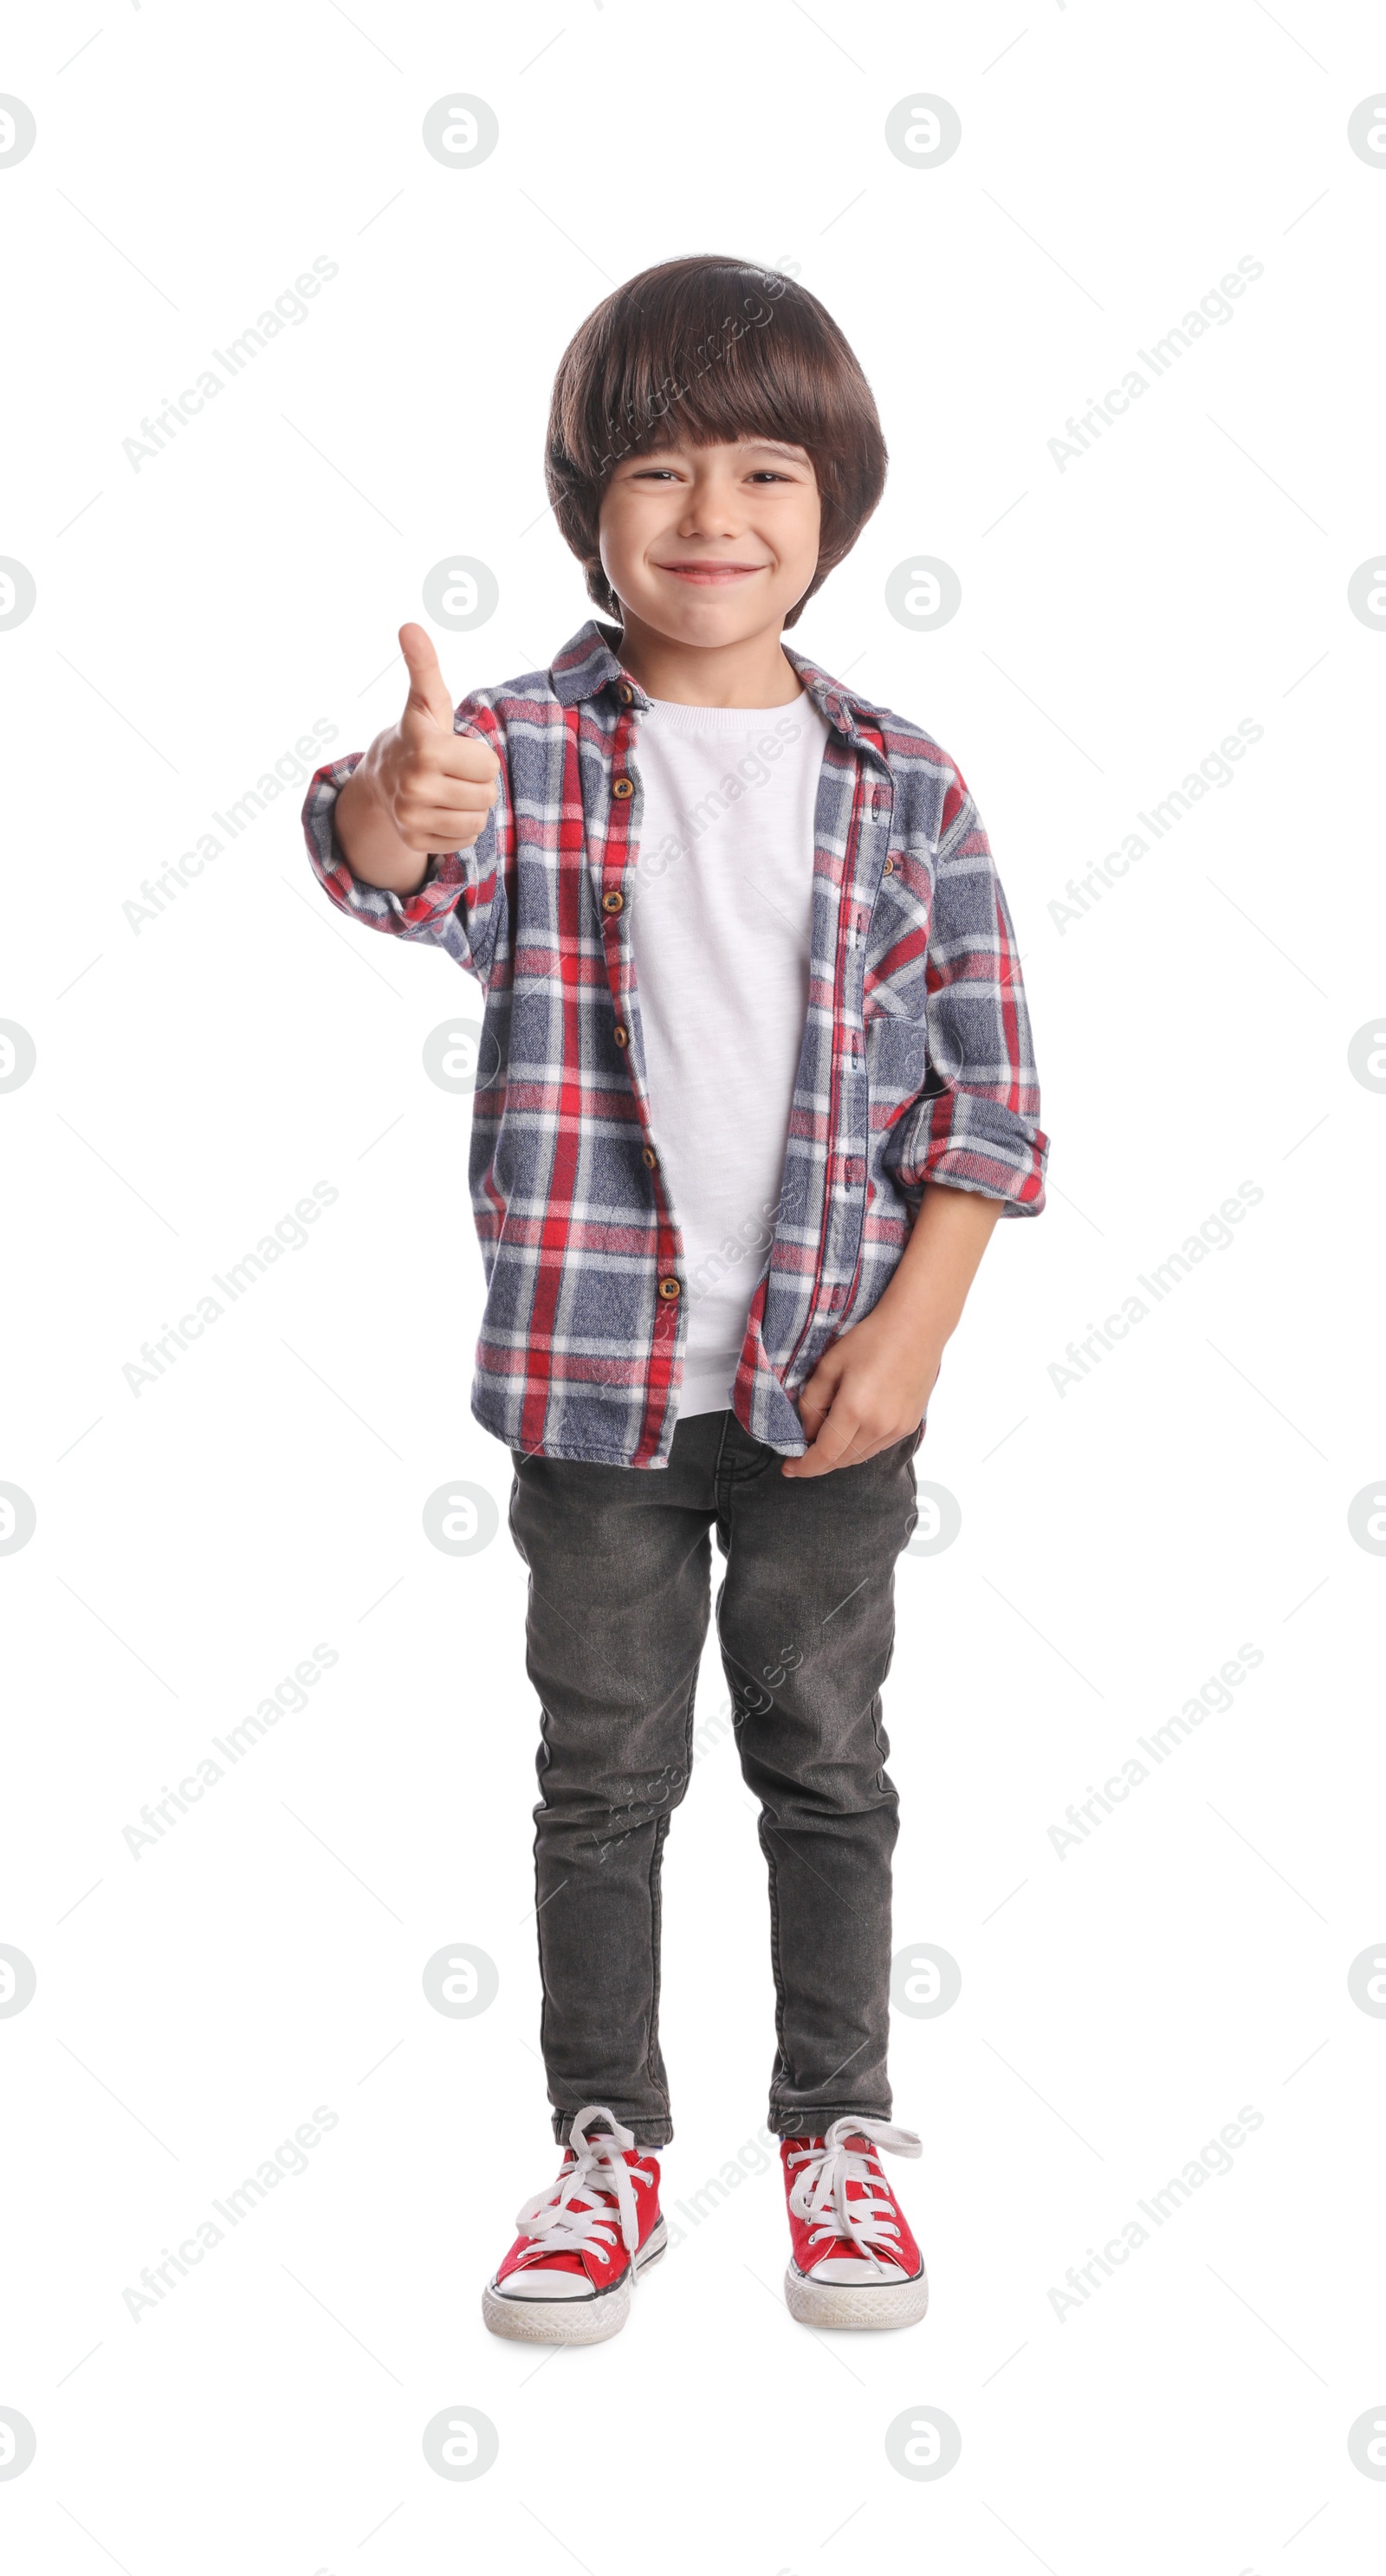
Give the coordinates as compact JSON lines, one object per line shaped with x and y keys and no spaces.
{"x":762,"y":1085}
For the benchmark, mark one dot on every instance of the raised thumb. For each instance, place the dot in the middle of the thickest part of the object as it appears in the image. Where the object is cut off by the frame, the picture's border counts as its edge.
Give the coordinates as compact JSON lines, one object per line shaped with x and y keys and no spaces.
{"x":428,"y":690}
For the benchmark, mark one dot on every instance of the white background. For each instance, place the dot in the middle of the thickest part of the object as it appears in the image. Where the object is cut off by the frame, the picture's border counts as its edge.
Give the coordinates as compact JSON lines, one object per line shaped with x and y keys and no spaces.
{"x":196,"y":1074}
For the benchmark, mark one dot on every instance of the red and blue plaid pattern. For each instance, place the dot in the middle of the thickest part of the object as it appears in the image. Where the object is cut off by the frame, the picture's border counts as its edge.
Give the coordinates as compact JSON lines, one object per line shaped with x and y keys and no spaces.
{"x":916,"y":1063}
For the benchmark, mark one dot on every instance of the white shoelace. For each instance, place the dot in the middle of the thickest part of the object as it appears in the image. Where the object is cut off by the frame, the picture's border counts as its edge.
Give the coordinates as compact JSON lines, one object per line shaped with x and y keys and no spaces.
{"x":570,"y":2218}
{"x":819,"y":2194}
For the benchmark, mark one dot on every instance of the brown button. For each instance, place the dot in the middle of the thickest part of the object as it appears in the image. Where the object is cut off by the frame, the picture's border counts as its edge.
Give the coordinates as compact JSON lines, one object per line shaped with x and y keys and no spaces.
{"x":627,"y":693}
{"x":623,"y":787}
{"x":889,"y":869}
{"x":669,"y":1289}
{"x":612,"y":902}
{"x":648,"y":1157}
{"x":622,"y":1036}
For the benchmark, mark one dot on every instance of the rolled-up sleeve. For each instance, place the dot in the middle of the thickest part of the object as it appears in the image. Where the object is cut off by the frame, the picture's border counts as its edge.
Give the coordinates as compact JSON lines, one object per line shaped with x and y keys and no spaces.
{"x":460,"y":905}
{"x":975,"y":1124}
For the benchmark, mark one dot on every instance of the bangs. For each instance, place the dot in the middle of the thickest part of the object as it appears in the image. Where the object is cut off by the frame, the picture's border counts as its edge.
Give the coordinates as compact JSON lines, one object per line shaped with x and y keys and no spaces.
{"x":714,"y":353}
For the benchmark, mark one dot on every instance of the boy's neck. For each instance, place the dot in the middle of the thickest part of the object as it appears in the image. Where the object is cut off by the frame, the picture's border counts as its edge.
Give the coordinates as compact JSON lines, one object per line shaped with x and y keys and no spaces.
{"x":754,"y":672}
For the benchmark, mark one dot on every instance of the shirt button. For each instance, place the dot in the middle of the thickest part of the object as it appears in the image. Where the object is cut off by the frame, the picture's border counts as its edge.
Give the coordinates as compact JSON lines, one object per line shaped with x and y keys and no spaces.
{"x":621,"y":1035}
{"x":889,"y":868}
{"x":626,"y":693}
{"x":623,"y":787}
{"x":612,"y":902}
{"x":668,"y":1289}
{"x":648,"y":1157}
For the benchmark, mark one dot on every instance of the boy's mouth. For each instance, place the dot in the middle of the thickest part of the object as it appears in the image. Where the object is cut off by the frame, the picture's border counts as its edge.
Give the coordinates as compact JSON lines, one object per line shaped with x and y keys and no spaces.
{"x":710,"y":574}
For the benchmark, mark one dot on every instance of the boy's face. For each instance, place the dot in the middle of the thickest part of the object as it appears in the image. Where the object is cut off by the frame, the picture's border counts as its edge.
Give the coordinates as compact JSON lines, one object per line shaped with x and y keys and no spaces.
{"x":710,"y":545}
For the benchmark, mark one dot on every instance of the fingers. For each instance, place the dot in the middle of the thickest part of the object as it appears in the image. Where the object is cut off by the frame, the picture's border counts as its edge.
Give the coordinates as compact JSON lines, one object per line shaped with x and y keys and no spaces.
{"x":436,"y":811}
{"x":817,"y":1398}
{"x":438,"y":785}
{"x":445,"y":758}
{"x":428,"y":690}
{"x":842,"y":1439}
{"x":426,"y":823}
{"x":816,"y":1461}
{"x":832,"y":1444}
{"x":816,"y":1402}
{"x":427,"y":721}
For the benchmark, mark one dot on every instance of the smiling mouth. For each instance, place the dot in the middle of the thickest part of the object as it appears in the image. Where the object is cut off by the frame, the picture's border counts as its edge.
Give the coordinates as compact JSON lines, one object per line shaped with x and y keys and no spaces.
{"x":711,"y":573}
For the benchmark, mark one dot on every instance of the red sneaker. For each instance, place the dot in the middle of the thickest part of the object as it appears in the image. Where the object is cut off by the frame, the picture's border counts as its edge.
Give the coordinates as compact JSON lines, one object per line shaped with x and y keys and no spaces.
{"x":567,"y":2278}
{"x":855,"y":2262}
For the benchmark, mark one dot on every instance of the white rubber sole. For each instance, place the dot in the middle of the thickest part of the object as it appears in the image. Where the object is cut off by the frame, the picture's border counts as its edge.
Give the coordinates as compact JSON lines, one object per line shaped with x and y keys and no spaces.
{"x":823,"y":2303}
{"x":591,"y":2320}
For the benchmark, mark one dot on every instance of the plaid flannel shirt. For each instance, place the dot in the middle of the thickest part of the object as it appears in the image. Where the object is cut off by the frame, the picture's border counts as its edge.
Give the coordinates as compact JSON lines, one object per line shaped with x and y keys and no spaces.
{"x":916,"y":1064}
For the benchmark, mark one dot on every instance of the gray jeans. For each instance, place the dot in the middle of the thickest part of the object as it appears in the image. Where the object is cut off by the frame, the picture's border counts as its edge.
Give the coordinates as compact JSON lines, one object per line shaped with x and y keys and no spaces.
{"x":619,"y":1561}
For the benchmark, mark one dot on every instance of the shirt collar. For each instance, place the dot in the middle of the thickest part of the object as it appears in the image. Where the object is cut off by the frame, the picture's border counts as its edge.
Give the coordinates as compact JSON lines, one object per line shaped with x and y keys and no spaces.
{"x":588,"y":663}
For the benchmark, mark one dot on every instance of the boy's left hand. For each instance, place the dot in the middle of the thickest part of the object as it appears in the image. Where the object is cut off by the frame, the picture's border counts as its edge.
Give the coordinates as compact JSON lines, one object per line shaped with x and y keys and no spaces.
{"x":870,"y":1390}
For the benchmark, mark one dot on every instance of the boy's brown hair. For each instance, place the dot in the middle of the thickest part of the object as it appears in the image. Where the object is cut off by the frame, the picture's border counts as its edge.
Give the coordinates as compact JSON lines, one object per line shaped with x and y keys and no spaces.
{"x":711,"y":349}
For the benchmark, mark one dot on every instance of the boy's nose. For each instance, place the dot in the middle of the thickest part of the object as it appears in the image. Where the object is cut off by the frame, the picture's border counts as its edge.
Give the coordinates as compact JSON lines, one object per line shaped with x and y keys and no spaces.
{"x":710,"y":519}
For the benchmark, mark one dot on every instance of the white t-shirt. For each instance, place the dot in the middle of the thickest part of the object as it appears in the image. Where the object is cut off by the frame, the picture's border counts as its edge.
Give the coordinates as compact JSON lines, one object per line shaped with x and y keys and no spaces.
{"x":721,"y":935}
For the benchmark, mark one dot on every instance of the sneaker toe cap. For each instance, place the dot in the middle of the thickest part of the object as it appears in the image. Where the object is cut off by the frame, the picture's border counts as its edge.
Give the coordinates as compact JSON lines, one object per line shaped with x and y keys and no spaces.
{"x":856,"y":2272}
{"x":537,"y":2283}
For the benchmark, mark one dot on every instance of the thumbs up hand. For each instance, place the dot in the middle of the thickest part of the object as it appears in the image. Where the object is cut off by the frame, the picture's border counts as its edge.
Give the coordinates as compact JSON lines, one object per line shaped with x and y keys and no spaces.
{"x":437,"y":786}
{"x":421,"y":787}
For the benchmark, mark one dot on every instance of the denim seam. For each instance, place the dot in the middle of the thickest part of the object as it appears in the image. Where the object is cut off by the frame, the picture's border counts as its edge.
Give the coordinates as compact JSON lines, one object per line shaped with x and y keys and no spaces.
{"x":781,"y":2068}
{"x":658,"y":1840}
